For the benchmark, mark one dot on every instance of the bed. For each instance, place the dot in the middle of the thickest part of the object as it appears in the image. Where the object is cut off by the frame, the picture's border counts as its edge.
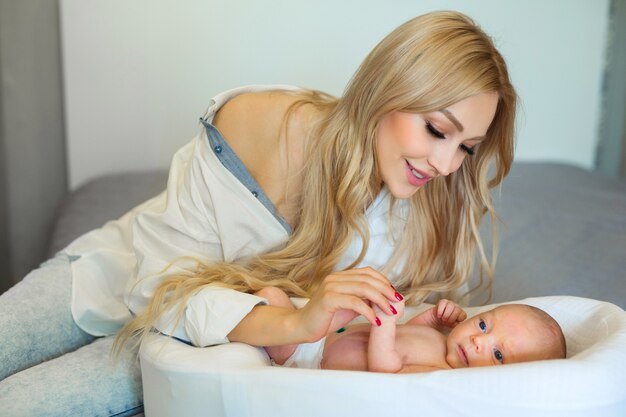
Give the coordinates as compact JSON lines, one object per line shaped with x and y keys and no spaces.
{"x":562,"y":243}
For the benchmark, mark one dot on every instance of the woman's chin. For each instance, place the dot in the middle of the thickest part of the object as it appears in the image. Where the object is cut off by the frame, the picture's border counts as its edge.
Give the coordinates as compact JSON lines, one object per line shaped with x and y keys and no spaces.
{"x":403,"y":192}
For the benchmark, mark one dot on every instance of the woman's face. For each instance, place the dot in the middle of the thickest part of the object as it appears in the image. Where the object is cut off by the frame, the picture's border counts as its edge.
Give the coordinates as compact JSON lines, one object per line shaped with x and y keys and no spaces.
{"x":413,"y":148}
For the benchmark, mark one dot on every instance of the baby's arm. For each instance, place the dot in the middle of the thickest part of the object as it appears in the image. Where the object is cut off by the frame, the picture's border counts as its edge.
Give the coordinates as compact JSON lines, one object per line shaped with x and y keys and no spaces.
{"x":382,"y":355}
{"x":416,"y":369}
{"x":445,"y":314}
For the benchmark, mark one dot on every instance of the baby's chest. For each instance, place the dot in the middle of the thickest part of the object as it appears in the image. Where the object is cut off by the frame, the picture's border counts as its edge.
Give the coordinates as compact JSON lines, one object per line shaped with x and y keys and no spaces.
{"x":427,"y":348}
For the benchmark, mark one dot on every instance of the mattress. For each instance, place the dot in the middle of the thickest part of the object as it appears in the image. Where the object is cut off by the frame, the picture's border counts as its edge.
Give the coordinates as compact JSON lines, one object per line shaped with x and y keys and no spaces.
{"x":237,"y":380}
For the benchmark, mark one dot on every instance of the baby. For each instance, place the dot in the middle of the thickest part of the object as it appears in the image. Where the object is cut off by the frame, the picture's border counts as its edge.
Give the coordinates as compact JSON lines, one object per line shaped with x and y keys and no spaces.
{"x":507,"y":334}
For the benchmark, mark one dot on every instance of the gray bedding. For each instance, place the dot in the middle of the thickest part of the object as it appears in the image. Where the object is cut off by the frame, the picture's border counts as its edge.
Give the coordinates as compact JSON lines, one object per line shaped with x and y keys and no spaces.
{"x":563,"y":233}
{"x":563,"y":229}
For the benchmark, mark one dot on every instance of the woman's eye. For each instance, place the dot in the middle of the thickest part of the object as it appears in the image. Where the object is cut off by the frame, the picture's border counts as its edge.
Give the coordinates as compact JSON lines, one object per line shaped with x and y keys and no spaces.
{"x":434,"y":132}
{"x":468,"y":150}
{"x":482,"y":325}
{"x":498,"y":355}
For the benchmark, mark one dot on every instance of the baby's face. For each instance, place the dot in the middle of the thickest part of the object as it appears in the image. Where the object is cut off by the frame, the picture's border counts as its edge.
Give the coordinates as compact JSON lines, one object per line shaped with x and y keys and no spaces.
{"x":495,"y":337}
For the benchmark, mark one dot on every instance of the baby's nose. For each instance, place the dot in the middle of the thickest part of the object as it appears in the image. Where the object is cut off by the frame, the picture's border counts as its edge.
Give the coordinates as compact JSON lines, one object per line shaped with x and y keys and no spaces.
{"x":477,"y":342}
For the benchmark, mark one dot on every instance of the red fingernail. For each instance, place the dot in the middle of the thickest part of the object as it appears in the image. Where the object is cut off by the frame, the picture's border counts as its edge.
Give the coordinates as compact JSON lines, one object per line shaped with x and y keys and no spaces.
{"x":399,"y":297}
{"x":393,"y":309}
{"x":378,"y":322}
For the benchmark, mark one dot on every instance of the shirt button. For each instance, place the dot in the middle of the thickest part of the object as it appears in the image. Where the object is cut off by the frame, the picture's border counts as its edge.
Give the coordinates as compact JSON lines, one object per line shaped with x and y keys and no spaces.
{"x":218,"y":149}
{"x":254,"y":193}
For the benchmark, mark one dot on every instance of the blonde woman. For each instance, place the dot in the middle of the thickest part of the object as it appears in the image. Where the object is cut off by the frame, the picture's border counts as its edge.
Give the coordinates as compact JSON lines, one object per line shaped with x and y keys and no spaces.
{"x":335,"y":199}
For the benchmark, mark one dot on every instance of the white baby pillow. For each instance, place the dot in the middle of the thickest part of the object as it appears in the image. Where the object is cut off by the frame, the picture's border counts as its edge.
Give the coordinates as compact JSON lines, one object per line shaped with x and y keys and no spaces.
{"x":237,"y":380}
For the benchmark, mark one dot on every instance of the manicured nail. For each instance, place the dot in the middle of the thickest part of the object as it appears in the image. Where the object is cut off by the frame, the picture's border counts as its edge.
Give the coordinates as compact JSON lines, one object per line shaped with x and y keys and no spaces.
{"x":343,"y":329}
{"x":378,"y":322}
{"x":398,"y":296}
{"x":393,"y":309}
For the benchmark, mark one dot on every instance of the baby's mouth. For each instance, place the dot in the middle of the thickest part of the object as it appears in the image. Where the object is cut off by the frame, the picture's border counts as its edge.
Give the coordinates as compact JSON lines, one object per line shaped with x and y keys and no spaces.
{"x":463,"y":355}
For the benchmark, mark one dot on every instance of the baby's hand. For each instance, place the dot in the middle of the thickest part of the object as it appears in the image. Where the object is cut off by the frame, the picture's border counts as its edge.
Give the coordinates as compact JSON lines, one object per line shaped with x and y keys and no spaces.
{"x":448,"y":313}
{"x":396,"y":310}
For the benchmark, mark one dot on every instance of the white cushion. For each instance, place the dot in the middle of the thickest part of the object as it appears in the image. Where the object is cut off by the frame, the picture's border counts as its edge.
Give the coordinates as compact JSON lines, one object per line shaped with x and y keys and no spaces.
{"x":237,"y":380}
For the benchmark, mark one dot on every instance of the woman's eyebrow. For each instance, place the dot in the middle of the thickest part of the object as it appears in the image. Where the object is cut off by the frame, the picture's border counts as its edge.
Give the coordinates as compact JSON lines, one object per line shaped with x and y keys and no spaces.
{"x":453,"y":119}
{"x":458,"y":124}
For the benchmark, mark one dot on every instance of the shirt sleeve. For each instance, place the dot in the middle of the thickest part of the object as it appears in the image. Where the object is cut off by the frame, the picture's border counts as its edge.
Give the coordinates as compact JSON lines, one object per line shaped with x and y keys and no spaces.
{"x":209,"y":316}
{"x":206,"y":215}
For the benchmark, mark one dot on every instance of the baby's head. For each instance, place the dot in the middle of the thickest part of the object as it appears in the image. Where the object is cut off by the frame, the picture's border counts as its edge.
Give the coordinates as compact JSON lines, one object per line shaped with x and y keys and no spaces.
{"x":510,"y":333}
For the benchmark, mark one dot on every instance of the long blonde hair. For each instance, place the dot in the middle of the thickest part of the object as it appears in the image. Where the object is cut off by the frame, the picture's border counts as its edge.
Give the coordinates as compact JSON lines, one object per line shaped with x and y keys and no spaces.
{"x":426,"y":64}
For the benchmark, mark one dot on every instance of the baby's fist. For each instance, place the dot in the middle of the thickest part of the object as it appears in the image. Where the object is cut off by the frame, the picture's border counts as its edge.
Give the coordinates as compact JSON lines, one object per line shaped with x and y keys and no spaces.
{"x":449,"y":313}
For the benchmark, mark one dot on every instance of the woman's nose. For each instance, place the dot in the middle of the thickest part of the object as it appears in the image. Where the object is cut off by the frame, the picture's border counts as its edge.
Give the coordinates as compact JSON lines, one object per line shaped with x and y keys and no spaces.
{"x":443,"y":158}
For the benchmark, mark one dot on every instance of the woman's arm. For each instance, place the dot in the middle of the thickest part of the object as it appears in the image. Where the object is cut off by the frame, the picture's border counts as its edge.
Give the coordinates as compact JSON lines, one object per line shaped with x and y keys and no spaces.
{"x":354,"y":289}
{"x":269,"y":326}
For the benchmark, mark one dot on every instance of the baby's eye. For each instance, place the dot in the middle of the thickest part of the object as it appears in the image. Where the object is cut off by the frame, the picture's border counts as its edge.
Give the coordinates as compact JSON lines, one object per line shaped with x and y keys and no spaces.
{"x":482,"y":325}
{"x":498,"y":355}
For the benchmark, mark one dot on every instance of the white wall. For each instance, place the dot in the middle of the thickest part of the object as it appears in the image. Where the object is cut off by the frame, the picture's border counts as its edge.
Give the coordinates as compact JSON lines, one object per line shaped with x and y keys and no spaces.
{"x":139,"y":73}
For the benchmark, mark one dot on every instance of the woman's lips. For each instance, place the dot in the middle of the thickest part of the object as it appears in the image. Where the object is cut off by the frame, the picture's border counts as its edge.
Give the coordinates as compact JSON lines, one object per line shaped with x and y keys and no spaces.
{"x":413,"y":179}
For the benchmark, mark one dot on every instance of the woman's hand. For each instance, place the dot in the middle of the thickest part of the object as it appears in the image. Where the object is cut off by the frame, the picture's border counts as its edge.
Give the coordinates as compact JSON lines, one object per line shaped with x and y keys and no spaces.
{"x":341,"y":297}
{"x":397,"y":309}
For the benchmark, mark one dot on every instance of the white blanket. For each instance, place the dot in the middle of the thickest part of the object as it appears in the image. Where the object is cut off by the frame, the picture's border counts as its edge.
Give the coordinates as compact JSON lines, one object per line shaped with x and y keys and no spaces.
{"x":236,"y":379}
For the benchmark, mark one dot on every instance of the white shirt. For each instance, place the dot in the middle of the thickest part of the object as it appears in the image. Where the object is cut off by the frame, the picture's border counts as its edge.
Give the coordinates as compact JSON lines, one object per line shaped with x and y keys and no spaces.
{"x":205,"y":213}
